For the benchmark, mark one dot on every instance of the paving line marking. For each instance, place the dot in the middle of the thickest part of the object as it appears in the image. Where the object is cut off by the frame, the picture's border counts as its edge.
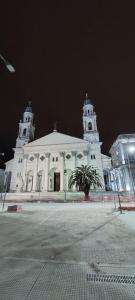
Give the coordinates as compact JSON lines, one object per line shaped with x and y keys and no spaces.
{"x":34,"y":282}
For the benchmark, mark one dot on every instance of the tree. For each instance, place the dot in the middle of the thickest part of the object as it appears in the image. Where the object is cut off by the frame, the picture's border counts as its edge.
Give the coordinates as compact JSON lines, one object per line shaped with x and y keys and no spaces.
{"x":85,"y":177}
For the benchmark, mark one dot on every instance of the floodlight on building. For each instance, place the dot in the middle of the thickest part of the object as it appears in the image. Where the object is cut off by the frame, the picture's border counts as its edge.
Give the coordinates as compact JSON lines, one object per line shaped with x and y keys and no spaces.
{"x":131,"y":149}
{"x":128,"y":188}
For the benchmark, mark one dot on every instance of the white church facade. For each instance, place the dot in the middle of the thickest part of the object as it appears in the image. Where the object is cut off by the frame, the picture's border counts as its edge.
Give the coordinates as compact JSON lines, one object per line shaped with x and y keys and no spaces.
{"x":46,"y":164}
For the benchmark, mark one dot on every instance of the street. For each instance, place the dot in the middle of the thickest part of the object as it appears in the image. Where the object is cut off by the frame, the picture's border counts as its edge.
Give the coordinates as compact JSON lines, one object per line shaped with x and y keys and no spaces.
{"x":52,"y":250}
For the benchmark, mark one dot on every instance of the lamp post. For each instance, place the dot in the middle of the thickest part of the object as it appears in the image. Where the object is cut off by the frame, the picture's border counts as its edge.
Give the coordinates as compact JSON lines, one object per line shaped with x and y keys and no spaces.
{"x":65,"y":183}
{"x":10,"y":68}
{"x":118,"y":192}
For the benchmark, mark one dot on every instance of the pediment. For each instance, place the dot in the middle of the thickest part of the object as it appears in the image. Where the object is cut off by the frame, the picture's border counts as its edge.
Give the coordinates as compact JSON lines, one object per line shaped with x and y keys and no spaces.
{"x":55,"y":138}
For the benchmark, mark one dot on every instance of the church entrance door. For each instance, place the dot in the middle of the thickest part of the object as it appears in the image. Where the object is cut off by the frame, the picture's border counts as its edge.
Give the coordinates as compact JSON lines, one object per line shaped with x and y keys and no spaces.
{"x":56,"y":182}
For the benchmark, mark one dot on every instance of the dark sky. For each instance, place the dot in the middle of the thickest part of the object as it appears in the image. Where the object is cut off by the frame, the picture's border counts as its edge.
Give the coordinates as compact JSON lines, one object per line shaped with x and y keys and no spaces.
{"x":60,"y":50}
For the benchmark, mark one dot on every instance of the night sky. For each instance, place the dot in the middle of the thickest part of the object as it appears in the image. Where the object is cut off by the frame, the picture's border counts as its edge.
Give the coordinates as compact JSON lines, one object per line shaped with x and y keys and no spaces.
{"x":60,"y":50}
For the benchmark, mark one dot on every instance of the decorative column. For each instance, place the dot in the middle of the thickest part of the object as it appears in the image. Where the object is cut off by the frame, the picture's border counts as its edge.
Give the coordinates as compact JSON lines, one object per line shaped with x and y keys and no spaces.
{"x":36,"y":155}
{"x":74,"y":154}
{"x":42,"y":158}
{"x":122,"y":154}
{"x":89,"y":154}
{"x":24,"y":171}
{"x":47,"y":169}
{"x":62,"y":167}
{"x":117,"y":178}
{"x":85,"y":152}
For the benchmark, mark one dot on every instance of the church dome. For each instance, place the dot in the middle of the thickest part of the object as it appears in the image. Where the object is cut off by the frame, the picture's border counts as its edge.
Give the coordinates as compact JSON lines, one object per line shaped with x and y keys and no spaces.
{"x":28,"y":108}
{"x":87,"y":100}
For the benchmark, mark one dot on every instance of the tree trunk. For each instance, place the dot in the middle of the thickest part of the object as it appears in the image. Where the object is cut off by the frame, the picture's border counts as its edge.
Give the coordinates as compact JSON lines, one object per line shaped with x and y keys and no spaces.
{"x":86,"y":192}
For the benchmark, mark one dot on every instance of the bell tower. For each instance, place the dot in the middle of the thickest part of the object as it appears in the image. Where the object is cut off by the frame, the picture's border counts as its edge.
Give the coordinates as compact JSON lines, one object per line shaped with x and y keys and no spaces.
{"x":26,"y":127}
{"x":89,"y":121}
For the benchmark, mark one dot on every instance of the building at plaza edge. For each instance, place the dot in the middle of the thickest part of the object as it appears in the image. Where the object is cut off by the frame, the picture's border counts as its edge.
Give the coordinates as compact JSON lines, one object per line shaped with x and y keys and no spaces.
{"x":46,"y":164}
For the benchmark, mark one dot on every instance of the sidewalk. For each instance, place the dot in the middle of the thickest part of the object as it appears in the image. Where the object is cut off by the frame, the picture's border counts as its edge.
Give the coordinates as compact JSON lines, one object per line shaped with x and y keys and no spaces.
{"x":61,"y":251}
{"x":127,"y":217}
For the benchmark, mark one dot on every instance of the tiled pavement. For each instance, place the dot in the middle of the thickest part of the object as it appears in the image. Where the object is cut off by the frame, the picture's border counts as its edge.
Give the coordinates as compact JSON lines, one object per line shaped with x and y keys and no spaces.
{"x":74,"y":261}
{"x":35,"y":280}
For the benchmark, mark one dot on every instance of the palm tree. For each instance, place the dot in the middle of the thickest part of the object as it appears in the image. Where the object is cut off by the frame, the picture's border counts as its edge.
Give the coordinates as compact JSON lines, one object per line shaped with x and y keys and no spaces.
{"x":84,"y":177}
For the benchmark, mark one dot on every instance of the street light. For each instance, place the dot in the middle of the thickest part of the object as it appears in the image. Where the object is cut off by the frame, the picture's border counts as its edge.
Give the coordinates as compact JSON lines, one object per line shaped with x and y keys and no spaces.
{"x":118,"y":191}
{"x":65,"y":183}
{"x":10,"y":68}
{"x":131,"y":149}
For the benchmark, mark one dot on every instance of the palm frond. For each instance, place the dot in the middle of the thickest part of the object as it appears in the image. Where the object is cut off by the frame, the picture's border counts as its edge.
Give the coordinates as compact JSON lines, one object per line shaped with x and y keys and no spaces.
{"x":85,"y":175}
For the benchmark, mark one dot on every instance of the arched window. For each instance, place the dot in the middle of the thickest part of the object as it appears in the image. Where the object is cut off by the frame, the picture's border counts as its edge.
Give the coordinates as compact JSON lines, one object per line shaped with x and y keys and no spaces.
{"x":24,"y":131}
{"x":89,"y":126}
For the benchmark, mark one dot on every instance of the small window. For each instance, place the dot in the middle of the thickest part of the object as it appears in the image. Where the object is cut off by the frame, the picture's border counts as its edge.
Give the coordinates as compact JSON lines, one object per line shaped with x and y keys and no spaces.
{"x":56,"y":158}
{"x":68,"y":156}
{"x":53,"y":159}
{"x":93,"y":156}
{"x":89,"y":126}
{"x":24,"y":132}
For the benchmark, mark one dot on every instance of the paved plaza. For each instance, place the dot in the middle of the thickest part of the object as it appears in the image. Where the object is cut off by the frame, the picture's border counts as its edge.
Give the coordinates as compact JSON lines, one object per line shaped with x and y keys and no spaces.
{"x":67,"y":251}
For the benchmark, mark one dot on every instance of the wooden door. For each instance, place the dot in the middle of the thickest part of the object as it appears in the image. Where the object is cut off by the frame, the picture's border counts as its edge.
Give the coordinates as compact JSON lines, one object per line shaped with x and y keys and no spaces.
{"x":56,"y":182}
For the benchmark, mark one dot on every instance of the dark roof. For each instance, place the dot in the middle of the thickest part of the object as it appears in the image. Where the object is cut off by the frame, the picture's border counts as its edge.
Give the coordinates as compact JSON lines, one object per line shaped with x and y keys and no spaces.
{"x":28,"y":108}
{"x":87,"y":100}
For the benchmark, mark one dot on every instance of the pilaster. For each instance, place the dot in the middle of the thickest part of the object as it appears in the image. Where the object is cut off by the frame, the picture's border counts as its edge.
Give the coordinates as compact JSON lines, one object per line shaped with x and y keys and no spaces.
{"x":74,"y":154}
{"x":36,"y":155}
{"x":47,"y":169}
{"x":24,"y":171}
{"x":62,"y":167}
{"x":86,"y":153}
